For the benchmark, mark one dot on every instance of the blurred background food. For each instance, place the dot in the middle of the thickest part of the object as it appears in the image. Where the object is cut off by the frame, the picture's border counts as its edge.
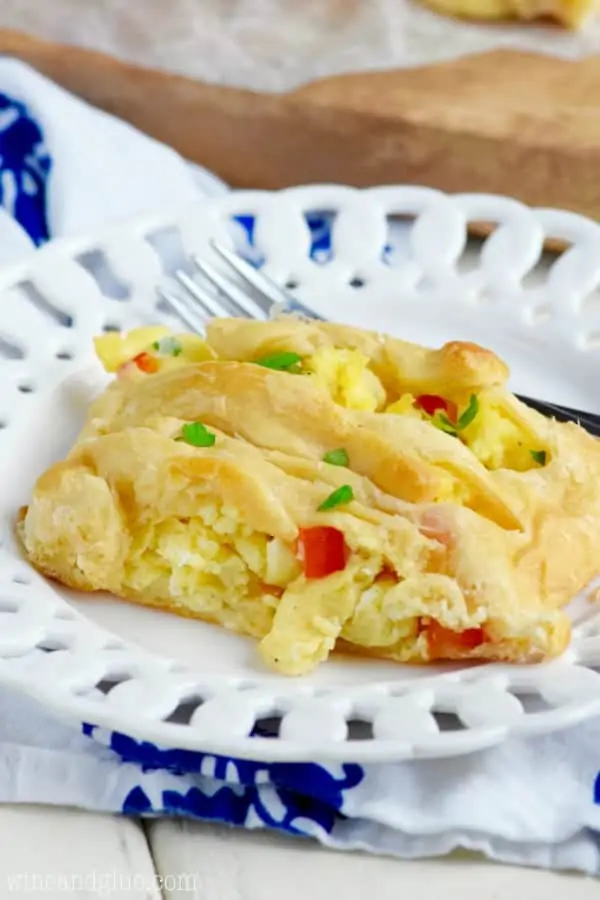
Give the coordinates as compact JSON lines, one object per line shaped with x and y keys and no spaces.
{"x":570,"y":13}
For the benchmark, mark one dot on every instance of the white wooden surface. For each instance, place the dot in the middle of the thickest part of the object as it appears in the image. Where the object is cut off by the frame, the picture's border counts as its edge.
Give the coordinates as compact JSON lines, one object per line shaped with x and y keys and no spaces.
{"x":63,"y":853}
{"x":234,"y":865}
{"x":58,"y":853}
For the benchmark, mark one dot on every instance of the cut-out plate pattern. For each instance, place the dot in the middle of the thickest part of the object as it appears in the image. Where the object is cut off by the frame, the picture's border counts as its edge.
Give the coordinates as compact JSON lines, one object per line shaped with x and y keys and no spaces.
{"x":397,"y":258}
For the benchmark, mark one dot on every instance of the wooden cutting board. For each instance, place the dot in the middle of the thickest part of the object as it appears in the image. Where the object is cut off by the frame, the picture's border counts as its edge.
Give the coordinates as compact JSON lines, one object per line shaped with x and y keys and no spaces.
{"x":503,"y":122}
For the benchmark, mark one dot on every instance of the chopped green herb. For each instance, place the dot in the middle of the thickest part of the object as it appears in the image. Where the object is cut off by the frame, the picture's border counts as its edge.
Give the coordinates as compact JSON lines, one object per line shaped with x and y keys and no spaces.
{"x":283,"y":362}
{"x":339,"y":497}
{"x":539,"y":456}
{"x":168,"y":346}
{"x":196,"y":434}
{"x":337,"y":457}
{"x":441,"y":421}
{"x":469,"y":414}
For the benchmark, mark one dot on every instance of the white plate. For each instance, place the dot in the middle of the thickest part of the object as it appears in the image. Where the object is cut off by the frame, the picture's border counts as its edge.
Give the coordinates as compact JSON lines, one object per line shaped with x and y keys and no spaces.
{"x":189,"y":685}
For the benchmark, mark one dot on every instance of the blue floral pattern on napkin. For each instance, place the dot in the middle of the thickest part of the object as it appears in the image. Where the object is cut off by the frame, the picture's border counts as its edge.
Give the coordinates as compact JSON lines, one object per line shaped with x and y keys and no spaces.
{"x":24,"y":168}
{"x":299,"y":798}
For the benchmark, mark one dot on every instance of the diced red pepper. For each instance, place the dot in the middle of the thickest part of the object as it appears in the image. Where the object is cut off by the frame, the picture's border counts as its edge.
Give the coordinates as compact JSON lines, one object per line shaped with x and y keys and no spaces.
{"x":447,"y":644}
{"x":432,"y":403}
{"x":322,"y":550}
{"x":146,"y":362}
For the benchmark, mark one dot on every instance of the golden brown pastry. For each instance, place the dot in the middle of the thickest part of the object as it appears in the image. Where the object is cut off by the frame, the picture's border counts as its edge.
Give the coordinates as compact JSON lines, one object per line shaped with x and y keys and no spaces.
{"x":571,"y":13}
{"x":318,"y":486}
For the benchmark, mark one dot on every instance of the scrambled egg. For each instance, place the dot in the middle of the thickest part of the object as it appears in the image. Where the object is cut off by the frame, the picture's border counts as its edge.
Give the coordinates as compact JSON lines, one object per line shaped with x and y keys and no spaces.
{"x":498,"y":442}
{"x":345,"y":374}
{"x":215,"y":567}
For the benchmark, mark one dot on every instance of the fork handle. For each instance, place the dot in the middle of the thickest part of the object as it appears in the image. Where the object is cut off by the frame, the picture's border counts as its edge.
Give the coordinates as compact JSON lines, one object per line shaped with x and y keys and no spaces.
{"x":587,"y":420}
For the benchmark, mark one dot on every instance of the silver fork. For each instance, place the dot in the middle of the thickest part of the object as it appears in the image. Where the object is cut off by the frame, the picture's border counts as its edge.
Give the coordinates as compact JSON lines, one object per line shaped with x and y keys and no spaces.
{"x":261,"y":298}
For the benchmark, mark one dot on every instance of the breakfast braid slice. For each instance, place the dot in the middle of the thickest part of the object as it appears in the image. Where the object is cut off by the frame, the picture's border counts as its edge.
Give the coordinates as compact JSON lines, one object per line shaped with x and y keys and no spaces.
{"x":185,"y":518}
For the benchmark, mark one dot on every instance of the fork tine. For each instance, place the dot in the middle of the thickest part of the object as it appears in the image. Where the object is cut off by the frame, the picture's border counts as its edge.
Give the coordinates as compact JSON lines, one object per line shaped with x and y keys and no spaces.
{"x":188,"y":317}
{"x":280,"y":301}
{"x":209,"y":304}
{"x":257,"y":280}
{"x":239,"y":302}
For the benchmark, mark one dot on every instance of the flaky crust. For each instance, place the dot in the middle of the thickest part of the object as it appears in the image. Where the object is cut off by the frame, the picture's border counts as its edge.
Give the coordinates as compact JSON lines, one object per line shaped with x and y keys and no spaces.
{"x":506,"y":557}
{"x":399,"y":364}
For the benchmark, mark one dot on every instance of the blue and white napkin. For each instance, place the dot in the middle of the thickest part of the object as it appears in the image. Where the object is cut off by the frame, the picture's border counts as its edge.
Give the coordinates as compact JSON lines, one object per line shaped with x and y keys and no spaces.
{"x":66,"y":168}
